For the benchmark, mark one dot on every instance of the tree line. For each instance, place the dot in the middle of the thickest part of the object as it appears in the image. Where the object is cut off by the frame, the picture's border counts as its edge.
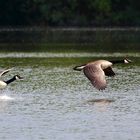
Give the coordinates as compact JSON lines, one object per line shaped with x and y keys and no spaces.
{"x":69,"y":13}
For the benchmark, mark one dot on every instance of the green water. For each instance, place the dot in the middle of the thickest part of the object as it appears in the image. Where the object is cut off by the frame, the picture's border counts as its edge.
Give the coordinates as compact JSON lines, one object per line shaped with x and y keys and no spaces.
{"x":70,"y":40}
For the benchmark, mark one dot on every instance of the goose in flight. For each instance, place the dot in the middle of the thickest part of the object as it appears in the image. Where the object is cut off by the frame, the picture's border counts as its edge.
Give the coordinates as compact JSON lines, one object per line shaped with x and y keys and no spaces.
{"x":3,"y":84}
{"x":97,"y":70}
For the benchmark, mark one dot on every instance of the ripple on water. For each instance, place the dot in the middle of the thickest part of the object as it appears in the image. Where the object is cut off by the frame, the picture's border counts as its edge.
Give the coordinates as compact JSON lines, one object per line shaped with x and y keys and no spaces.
{"x":102,"y":101}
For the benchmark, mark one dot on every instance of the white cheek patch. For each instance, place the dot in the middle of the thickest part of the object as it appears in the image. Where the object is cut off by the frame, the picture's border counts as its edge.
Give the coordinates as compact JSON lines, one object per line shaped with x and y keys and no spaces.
{"x":17,"y":78}
{"x":125,"y":61}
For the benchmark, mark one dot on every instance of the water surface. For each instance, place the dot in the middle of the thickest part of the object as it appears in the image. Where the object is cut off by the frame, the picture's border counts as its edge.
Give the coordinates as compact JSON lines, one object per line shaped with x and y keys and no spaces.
{"x":53,"y":102}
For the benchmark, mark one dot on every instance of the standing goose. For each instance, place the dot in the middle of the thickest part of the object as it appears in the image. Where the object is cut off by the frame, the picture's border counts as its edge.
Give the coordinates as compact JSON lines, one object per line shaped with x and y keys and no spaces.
{"x":96,"y":71}
{"x":3,"y":84}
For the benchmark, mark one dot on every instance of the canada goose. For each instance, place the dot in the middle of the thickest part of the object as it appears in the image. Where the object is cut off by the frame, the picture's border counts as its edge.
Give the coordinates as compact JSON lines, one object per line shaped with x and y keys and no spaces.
{"x":3,"y":84}
{"x":96,"y":71}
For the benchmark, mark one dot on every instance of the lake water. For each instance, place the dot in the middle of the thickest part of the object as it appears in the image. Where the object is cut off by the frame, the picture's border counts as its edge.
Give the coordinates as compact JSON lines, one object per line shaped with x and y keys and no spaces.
{"x":53,"y":102}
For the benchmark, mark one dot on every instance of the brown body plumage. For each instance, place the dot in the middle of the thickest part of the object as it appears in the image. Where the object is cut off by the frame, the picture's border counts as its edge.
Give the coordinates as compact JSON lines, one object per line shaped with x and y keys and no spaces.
{"x":96,"y":71}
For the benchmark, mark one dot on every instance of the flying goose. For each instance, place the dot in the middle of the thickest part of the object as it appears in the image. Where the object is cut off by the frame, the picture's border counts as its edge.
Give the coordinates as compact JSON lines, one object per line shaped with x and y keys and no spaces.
{"x":95,"y":71}
{"x":3,"y":84}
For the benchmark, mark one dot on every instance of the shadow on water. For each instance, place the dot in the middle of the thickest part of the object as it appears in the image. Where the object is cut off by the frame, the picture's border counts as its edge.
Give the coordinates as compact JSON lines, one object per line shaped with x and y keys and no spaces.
{"x":100,"y":105}
{"x":100,"y":101}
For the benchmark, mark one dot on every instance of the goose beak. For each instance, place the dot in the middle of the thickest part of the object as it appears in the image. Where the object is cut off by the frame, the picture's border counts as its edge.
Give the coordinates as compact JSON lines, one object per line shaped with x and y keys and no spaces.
{"x":130,"y":61}
{"x":21,"y":78}
{"x":75,"y":68}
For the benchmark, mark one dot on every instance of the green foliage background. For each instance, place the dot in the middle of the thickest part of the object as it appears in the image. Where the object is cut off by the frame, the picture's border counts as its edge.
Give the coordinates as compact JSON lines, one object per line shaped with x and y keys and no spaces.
{"x":70,"y":12}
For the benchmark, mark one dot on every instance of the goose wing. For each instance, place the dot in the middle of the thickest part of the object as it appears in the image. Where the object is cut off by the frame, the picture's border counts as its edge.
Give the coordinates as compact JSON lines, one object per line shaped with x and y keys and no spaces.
{"x":109,"y":72}
{"x":4,"y":72}
{"x":96,"y":75}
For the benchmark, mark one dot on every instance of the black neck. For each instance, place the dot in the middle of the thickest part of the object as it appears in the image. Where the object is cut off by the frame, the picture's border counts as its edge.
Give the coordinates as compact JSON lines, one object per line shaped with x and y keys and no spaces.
{"x":117,"y":61}
{"x":10,"y":80}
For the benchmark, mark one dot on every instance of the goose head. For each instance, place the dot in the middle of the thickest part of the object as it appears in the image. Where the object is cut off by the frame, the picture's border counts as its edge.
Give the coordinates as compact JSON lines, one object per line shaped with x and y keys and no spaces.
{"x":18,"y":77}
{"x":126,"y":61}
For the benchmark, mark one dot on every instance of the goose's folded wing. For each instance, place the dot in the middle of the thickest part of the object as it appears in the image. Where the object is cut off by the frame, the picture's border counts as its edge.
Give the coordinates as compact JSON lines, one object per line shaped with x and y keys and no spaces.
{"x":109,"y":72}
{"x":4,"y":72}
{"x":96,"y":75}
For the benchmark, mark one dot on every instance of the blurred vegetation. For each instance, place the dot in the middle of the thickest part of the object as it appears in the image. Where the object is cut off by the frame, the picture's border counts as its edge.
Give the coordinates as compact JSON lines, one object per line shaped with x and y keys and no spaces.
{"x":70,"y":12}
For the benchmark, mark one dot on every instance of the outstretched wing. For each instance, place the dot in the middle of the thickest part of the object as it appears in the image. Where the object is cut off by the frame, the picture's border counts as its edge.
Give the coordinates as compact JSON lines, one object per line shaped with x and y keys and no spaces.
{"x":96,"y":75}
{"x":4,"y":72}
{"x":109,"y":72}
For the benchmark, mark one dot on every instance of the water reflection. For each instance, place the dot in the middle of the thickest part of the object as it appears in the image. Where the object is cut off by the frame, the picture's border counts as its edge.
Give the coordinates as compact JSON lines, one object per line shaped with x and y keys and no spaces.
{"x":100,"y":104}
{"x":66,"y":40}
{"x":101,"y":101}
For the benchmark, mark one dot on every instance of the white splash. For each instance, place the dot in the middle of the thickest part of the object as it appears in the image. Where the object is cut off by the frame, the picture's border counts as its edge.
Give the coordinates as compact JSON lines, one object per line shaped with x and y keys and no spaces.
{"x":5,"y":98}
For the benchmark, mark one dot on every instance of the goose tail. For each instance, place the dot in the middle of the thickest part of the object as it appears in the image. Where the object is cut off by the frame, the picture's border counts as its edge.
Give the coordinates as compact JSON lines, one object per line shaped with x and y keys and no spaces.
{"x":79,"y":68}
